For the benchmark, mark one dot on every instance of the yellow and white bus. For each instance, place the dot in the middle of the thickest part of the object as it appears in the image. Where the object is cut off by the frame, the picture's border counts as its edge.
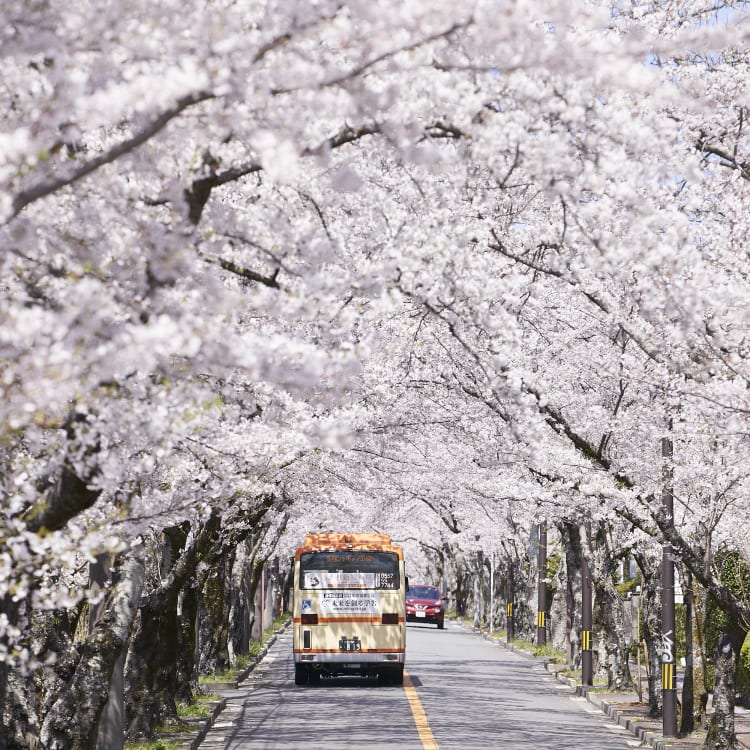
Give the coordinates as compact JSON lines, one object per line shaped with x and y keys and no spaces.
{"x":349,"y":607}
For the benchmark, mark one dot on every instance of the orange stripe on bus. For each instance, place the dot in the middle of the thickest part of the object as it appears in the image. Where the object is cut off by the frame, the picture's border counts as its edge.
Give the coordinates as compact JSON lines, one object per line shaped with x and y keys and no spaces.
{"x":353,"y":653}
{"x":346,"y":619}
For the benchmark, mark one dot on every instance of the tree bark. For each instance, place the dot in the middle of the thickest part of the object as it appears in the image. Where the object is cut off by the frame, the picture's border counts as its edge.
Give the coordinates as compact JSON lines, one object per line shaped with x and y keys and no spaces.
{"x":611,"y":660}
{"x":571,"y":581}
{"x":239,"y":606}
{"x":72,"y":721}
{"x":651,"y":627}
{"x":15,"y":721}
{"x":687,"y":723}
{"x":151,"y":670}
{"x":721,"y":734}
{"x":213,"y":618}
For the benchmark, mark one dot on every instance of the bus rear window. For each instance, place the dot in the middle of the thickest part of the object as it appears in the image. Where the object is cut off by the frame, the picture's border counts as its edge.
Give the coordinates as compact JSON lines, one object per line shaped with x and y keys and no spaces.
{"x":357,"y":569}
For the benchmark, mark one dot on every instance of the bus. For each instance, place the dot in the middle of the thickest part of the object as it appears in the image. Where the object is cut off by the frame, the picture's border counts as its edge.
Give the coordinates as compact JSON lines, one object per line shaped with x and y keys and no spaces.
{"x":349,"y":608}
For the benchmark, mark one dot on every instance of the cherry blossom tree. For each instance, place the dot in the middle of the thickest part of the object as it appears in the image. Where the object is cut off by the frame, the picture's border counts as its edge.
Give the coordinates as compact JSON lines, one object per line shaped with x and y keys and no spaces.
{"x":394,"y":265}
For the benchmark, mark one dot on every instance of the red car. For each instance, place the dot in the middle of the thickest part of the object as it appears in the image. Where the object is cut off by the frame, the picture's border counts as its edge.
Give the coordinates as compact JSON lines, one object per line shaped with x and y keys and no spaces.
{"x":424,"y":604}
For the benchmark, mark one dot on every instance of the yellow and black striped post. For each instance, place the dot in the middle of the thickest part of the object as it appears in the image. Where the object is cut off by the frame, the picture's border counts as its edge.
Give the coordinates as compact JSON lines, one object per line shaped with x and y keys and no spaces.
{"x":509,"y":620}
{"x":667,"y":676}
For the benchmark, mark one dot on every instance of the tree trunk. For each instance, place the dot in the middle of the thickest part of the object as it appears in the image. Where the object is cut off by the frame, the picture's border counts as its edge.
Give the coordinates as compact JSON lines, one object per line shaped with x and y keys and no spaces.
{"x":72,"y":721}
{"x":687,"y":723}
{"x":524,"y":587}
{"x":721,"y":734}
{"x":64,"y":497}
{"x":111,"y":730}
{"x":570,"y":581}
{"x":154,"y":664}
{"x":151,"y":674}
{"x":239,"y":605}
{"x":611,"y":660}
{"x":700,"y":654}
{"x":18,"y":712}
{"x":187,"y":635}
{"x":651,"y":627}
{"x":460,"y":587}
{"x":213,"y":628}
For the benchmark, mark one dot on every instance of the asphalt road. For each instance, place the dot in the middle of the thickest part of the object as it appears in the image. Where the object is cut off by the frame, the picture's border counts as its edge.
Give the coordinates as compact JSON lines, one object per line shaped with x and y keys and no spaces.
{"x":467,"y":694}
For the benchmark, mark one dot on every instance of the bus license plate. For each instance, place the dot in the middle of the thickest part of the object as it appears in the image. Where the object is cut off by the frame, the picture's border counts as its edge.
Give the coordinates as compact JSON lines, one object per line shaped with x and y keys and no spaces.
{"x":350,"y":644}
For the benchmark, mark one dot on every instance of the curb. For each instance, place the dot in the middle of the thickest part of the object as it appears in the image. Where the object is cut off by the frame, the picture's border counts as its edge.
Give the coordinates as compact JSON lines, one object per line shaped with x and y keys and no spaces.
{"x":245,"y":672}
{"x":641,"y":727}
{"x":207,"y":724}
{"x":195,"y":741}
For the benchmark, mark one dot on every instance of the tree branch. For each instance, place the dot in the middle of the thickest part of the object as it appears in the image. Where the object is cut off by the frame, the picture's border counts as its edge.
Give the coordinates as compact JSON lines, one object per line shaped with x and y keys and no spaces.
{"x":44,"y":189}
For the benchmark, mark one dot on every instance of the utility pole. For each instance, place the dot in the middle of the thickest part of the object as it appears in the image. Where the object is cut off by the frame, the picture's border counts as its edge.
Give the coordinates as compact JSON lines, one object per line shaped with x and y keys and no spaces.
{"x":445,"y":572}
{"x":509,"y":629}
{"x":492,"y":592}
{"x":668,"y":657}
{"x":587,"y":661}
{"x":541,"y":625}
{"x":262,"y":599}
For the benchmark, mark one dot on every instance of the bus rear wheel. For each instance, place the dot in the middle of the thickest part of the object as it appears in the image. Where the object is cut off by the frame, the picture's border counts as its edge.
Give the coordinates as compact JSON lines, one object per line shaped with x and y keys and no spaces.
{"x":393,"y":676}
{"x":301,"y":675}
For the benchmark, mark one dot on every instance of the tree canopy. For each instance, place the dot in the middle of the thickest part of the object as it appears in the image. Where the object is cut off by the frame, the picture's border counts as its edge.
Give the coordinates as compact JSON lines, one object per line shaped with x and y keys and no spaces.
{"x":432,"y":268}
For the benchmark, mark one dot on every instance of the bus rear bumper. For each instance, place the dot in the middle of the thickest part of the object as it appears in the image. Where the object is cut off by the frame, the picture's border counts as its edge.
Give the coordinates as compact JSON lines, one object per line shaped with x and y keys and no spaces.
{"x":388,"y":667}
{"x":348,"y":657}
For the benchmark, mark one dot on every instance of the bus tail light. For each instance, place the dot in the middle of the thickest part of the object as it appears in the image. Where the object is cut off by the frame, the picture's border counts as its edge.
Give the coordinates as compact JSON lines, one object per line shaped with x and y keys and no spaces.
{"x":390,"y":618}
{"x":309,"y":619}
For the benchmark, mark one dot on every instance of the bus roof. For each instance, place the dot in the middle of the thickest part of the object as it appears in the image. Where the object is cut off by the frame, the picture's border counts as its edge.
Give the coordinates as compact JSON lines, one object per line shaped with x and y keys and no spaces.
{"x":337,"y":541}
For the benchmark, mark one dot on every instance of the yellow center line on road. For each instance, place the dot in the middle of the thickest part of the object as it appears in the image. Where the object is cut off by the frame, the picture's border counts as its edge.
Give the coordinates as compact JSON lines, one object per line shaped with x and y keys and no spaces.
{"x":420,"y":718}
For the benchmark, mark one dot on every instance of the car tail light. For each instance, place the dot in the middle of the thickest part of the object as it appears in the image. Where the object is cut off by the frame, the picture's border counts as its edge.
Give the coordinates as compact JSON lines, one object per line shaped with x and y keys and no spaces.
{"x":390,"y":618}
{"x":309,"y":619}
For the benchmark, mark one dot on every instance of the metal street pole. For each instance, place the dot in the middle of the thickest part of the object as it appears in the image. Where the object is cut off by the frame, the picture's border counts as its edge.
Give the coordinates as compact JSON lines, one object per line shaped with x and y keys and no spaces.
{"x":587,"y":661}
{"x":509,"y":628}
{"x":262,"y":599}
{"x":476,"y":620}
{"x":492,"y":593}
{"x":541,"y":625}
{"x":445,"y":573}
{"x":668,"y":658}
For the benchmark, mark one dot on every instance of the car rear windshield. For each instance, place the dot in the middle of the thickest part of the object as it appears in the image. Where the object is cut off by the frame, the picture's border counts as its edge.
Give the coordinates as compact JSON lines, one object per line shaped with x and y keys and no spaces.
{"x":349,"y":570}
{"x":423,"y":592}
